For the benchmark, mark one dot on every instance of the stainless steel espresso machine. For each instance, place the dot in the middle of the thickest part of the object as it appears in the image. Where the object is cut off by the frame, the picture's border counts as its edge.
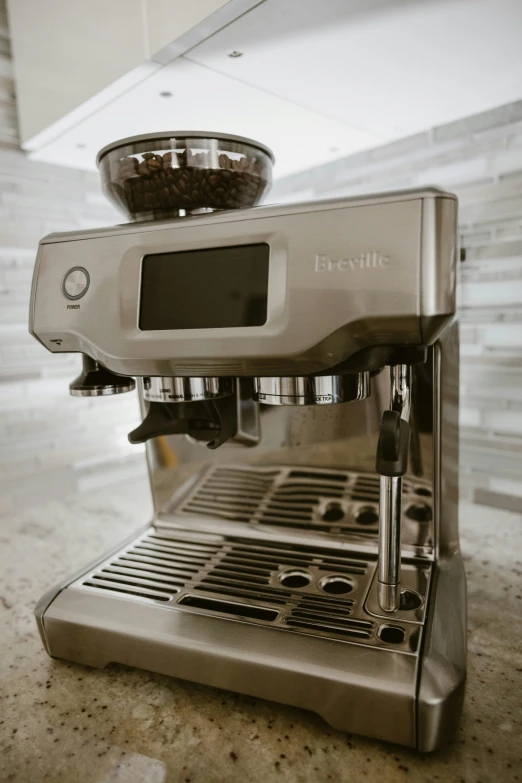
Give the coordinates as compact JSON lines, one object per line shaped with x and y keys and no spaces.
{"x":297,"y":369}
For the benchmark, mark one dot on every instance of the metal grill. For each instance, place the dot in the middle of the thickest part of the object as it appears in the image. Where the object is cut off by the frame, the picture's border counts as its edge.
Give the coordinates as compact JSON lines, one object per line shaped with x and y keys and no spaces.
{"x":301,"y":588}
{"x":328,"y":501}
{"x":287,"y":497}
{"x":153,"y":568}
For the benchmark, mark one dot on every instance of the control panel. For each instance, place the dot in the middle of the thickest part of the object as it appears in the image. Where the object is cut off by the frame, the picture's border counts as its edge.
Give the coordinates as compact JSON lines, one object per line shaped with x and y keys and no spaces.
{"x":279,"y":290}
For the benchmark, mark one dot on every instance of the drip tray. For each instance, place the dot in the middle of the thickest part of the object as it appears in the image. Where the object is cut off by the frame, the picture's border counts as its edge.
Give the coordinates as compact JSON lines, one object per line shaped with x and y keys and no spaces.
{"x":293,"y":587}
{"x":334,"y":502}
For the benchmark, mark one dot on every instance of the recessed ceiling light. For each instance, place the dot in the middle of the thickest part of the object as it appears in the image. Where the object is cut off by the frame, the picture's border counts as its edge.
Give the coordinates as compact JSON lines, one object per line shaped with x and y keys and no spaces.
{"x":166,"y":94}
{"x":235,"y":53}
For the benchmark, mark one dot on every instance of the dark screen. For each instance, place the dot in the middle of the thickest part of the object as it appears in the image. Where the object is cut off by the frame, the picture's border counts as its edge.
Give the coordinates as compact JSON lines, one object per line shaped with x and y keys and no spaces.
{"x":205,"y":289}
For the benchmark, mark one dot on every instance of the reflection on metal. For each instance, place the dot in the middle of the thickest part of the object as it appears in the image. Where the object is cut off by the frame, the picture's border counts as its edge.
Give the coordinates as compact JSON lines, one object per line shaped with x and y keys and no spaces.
{"x":248,"y":420}
{"x":162,"y":389}
{"x":97,"y":381}
{"x":312,"y":389}
{"x":401,"y":390}
{"x":390,"y":508}
{"x":390,"y":543}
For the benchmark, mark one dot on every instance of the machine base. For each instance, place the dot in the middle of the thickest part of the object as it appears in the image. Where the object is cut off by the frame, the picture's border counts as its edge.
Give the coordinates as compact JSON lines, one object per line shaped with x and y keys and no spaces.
{"x":295,"y":624}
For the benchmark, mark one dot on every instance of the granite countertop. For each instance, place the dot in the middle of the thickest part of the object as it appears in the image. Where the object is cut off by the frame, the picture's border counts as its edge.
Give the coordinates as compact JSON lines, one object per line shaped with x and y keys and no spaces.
{"x":65,"y":723}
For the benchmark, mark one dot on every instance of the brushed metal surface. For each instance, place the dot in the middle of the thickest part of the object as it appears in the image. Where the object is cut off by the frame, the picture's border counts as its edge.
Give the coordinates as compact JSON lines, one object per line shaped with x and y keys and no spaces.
{"x":390,"y":507}
{"x":306,"y":590}
{"x":96,"y":381}
{"x":438,"y":276}
{"x":259,"y":571}
{"x":354,"y":688}
{"x":185,"y":389}
{"x":312,"y":389}
{"x":442,"y":675}
{"x":415,"y":692}
{"x":302,"y":503}
{"x":369,"y":288}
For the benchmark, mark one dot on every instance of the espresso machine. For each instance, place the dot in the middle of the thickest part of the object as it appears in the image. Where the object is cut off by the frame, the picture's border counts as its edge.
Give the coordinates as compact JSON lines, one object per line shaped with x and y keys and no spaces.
{"x":297,"y":370}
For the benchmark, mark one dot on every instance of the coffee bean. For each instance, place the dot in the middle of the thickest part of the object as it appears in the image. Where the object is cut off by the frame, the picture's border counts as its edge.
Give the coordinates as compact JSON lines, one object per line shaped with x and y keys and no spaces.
{"x":164,"y":184}
{"x":155,"y":163}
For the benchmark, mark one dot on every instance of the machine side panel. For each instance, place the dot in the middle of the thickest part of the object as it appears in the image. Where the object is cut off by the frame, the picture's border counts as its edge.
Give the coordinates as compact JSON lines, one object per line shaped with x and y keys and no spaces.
{"x":443,"y":665}
{"x":438,"y":265}
{"x":446,"y":442}
{"x":443,"y":669}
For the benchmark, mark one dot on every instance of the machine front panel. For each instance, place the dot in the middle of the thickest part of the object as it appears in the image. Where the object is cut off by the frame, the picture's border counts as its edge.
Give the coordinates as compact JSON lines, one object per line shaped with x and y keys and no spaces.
{"x":339,"y":280}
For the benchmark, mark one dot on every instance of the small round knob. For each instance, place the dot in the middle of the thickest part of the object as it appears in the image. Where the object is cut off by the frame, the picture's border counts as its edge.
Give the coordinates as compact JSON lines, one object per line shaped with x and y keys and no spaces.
{"x":96,"y":380}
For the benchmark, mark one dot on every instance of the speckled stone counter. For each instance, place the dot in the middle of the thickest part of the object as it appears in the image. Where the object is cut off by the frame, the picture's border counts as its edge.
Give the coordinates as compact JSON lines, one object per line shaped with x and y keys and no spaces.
{"x":64,"y":723}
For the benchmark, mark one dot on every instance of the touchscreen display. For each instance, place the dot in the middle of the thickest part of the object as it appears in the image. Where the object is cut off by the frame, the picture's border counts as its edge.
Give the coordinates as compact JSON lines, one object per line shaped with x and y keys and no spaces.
{"x":205,"y":289}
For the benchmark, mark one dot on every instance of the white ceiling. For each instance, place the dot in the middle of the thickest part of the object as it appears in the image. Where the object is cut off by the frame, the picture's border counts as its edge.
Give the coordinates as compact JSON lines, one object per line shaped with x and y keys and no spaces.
{"x":387,"y":67}
{"x":67,"y":51}
{"x":203,"y":99}
{"x":318,"y":86}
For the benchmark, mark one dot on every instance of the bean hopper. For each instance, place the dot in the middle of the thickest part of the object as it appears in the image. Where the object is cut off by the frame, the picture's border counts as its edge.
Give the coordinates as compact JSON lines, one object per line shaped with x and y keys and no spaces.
{"x":297,"y":370}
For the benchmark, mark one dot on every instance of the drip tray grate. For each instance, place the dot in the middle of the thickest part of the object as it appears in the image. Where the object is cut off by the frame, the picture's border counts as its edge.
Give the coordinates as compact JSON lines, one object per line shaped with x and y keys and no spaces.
{"x":300,"y":588}
{"x":311,"y":499}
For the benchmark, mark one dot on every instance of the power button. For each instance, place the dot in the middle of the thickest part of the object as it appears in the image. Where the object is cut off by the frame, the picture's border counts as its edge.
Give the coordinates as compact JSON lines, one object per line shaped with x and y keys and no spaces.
{"x":76,"y":282}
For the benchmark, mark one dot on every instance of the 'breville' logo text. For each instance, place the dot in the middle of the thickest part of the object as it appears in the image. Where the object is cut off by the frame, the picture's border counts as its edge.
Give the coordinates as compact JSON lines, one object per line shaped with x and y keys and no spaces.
{"x":371,"y":260}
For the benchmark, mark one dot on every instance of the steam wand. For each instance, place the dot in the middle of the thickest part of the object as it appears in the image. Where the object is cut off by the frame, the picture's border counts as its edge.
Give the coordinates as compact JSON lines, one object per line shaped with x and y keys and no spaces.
{"x":391,"y":464}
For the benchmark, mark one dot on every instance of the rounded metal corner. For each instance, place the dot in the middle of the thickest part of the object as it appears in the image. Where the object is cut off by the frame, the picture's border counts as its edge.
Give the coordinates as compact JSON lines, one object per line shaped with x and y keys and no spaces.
{"x":40,"y":609}
{"x":439,"y":719}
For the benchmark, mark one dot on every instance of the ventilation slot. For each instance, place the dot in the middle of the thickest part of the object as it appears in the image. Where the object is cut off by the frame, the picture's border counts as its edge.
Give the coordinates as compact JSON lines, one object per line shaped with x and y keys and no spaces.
{"x":329,"y":630}
{"x":114,"y":573}
{"x":241,"y":573}
{"x":308,"y":474}
{"x":366,"y":489}
{"x":227,"y":607}
{"x":231,"y":591}
{"x":277,"y":555}
{"x":155,"y":568}
{"x":231,"y":493}
{"x":134,"y":591}
{"x":286,"y":498}
{"x":315,"y":603}
{"x":330,"y":618}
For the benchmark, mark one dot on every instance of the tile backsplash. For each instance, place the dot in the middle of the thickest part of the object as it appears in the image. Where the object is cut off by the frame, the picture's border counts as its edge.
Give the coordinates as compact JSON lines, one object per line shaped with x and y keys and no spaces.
{"x":480,"y":159}
{"x":51,"y":443}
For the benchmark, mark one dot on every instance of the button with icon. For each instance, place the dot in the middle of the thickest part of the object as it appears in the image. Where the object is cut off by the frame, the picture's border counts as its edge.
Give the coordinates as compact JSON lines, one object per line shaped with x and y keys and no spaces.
{"x":76,"y":283}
